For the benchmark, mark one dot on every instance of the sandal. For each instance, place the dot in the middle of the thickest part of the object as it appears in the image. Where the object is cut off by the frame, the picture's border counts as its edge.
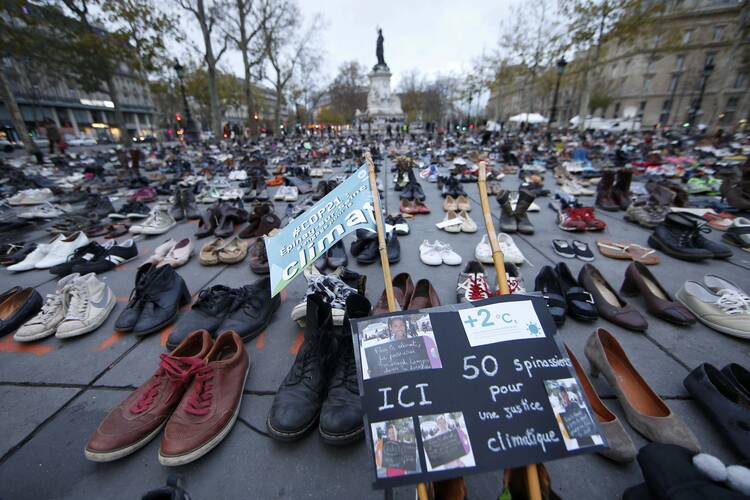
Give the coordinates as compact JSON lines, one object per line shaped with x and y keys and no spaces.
{"x":234,"y":251}
{"x":628,"y":251}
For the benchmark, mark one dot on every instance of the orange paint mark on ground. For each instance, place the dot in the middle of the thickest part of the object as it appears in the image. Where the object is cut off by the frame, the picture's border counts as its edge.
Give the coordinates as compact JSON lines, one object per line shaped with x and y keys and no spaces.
{"x":283,"y":295}
{"x":297,"y":342}
{"x":110,"y":341}
{"x":164,"y":335}
{"x":260,"y":342}
{"x":7,"y":344}
{"x":123,"y":298}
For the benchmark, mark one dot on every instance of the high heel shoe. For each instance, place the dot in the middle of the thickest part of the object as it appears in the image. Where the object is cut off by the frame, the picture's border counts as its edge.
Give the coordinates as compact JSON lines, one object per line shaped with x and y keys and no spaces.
{"x":640,"y":281}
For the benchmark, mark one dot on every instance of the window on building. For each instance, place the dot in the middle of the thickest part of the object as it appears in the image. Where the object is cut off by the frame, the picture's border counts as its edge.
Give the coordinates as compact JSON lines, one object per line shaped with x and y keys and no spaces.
{"x":740,"y":82}
{"x":658,"y":39}
{"x":679,"y":63}
{"x":627,"y":66}
{"x":729,"y":111}
{"x":673,"y":83}
{"x":665,"y":109}
{"x":616,"y":113}
{"x":710,"y":58}
{"x":686,"y":36}
{"x":647,"y":85}
{"x":651,"y":67}
{"x":718,"y":33}
{"x":641,"y":110}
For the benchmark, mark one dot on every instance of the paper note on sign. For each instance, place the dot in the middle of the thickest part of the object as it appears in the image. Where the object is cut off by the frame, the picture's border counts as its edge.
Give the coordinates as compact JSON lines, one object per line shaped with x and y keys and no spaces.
{"x":501,"y":322}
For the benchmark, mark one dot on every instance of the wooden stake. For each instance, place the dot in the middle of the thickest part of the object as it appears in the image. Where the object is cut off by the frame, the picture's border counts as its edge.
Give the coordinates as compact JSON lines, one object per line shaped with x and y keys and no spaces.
{"x":381,"y":234}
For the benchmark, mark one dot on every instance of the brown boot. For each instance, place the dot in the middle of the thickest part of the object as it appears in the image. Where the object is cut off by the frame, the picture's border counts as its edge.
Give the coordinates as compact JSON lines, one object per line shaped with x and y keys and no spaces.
{"x":508,"y":223}
{"x":621,"y":189}
{"x":525,"y":199}
{"x":604,"y":198}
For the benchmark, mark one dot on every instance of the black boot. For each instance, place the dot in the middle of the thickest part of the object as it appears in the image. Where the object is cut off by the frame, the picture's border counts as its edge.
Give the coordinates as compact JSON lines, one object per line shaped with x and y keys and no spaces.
{"x":162,"y":298}
{"x":297,"y":403}
{"x":177,"y":210}
{"x":508,"y":223}
{"x":341,"y":413}
{"x":680,"y":237}
{"x":129,"y":316}
{"x":525,"y":199}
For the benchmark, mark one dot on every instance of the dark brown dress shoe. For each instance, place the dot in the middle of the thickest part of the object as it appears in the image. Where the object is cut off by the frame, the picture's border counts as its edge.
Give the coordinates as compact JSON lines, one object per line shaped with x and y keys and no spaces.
{"x":424,"y":296}
{"x":609,"y":304}
{"x":640,"y":281}
{"x":403,"y":288}
{"x":258,"y":257}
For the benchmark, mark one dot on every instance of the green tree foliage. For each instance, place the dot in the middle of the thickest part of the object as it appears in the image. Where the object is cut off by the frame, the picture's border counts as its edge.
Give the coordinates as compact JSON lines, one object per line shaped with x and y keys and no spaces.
{"x":348,"y":93}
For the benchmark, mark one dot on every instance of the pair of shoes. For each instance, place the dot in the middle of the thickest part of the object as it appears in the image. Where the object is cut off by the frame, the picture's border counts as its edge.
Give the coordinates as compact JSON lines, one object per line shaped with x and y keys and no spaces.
{"x":331,"y":288}
{"x":457,"y":223}
{"x":517,"y":220}
{"x":45,"y":211}
{"x":221,"y":218}
{"x":511,"y":253}
{"x":434,"y":254}
{"x":564,"y":294}
{"x":96,"y":258}
{"x":322,"y":189}
{"x":79,"y":305}
{"x":413,"y":207}
{"x":719,"y":304}
{"x":574,"y":250}
{"x":334,"y":258}
{"x":409,"y":296}
{"x":366,"y":249}
{"x":459,"y":204}
{"x":45,"y":256}
{"x":221,"y":251}
{"x":159,"y":222}
{"x":172,"y":253}
{"x":247,"y":310}
{"x":184,"y":205}
{"x":18,"y":305}
{"x":322,"y":385}
{"x":646,"y":213}
{"x":639,"y":281}
{"x":579,"y":219}
{"x":399,"y":224}
{"x":628,"y":251}
{"x":609,"y":303}
{"x":30,"y":197}
{"x":613,"y":190}
{"x":680,"y":236}
{"x":412,"y":190}
{"x":261,"y":221}
{"x":154,"y":303}
{"x":144,"y":195}
{"x":195,"y":396}
{"x":286,"y":193}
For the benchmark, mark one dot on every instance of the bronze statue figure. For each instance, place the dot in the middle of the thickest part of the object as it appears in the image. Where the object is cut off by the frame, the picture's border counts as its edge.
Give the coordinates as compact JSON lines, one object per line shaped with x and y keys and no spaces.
{"x":379,"y":49}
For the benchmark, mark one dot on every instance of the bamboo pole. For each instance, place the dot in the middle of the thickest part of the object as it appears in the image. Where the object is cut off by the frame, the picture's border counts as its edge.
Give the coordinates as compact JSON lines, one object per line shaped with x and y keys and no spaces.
{"x":381,"y":234}
{"x":532,"y":474}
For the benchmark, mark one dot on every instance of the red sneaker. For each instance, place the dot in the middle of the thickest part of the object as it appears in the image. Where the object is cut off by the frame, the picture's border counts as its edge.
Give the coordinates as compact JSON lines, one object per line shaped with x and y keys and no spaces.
{"x":570,"y":220}
{"x":593,"y":223}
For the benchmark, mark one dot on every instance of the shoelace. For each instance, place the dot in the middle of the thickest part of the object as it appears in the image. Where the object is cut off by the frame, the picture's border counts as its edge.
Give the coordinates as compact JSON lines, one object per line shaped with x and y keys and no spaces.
{"x":79,"y":301}
{"x":199,"y":401}
{"x":53,"y":302}
{"x":732,"y":303}
{"x":177,"y":369}
{"x":208,"y":299}
{"x":305,"y":366}
{"x":478,"y":289}
{"x":739,"y":295}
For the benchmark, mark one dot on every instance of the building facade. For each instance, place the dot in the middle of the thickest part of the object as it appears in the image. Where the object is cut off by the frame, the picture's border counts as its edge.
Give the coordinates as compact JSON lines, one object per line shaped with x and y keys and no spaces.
{"x":702,"y":72}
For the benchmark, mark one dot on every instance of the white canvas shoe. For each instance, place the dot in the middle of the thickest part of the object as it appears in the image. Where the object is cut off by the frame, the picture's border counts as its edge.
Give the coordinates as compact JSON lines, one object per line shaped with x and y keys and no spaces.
{"x":61,"y":249}
{"x":429,"y":254}
{"x":52,"y":314}
{"x":483,"y":251}
{"x":159,"y":222}
{"x":511,"y":252}
{"x":91,"y":301}
{"x":447,"y":255}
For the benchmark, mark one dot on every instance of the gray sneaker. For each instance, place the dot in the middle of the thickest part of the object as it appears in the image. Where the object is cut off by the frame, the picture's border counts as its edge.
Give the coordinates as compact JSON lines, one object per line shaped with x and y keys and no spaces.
{"x":159,"y":222}
{"x":725,"y":312}
{"x":52,"y":314}
{"x":333,"y":290}
{"x":91,"y":301}
{"x":646,"y":214}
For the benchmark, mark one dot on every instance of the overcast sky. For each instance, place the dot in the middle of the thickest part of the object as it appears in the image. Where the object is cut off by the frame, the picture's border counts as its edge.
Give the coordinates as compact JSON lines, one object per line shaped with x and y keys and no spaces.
{"x":432,"y":36}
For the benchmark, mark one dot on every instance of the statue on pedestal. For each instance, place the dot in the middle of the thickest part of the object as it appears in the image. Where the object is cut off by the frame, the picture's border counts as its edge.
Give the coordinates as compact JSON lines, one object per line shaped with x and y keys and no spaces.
{"x":379,"y":50}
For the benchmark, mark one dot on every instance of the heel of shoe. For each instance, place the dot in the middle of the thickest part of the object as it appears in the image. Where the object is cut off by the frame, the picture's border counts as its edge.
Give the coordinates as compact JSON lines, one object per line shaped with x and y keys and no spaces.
{"x":629,"y":288}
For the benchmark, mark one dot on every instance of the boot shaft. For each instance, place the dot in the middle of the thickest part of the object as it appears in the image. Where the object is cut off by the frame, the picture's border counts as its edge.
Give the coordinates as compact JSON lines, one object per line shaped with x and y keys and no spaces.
{"x":504,"y":200}
{"x":525,"y":199}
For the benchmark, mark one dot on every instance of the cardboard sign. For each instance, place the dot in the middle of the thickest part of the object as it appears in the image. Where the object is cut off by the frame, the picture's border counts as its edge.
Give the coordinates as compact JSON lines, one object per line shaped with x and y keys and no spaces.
{"x":397,"y":356}
{"x":399,"y":455}
{"x":493,"y":395}
{"x":444,"y":448}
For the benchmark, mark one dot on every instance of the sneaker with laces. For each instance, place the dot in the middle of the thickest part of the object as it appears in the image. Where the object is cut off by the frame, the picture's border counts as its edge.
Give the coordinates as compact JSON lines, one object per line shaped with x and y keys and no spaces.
{"x":332,"y":289}
{"x":429,"y":254}
{"x":725,"y":312}
{"x":32,"y":258}
{"x":252,"y":310}
{"x":90,"y":303}
{"x":159,"y":222}
{"x":84,"y":254}
{"x":511,"y":252}
{"x":45,"y":323}
{"x":447,"y":255}
{"x":114,"y":254}
{"x":472,"y":283}
{"x":45,"y":211}
{"x":30,"y":197}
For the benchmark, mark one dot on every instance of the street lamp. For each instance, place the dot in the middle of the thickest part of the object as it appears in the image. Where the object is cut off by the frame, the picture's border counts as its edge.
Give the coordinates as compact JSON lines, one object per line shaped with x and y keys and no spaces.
{"x":708,"y":68}
{"x":189,"y":132}
{"x":561,"y":63}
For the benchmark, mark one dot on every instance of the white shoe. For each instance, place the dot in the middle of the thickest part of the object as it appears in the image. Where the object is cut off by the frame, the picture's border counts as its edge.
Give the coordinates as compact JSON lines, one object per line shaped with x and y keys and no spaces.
{"x":447,"y":255}
{"x":60,"y":250}
{"x":45,"y":211}
{"x":467,"y":224}
{"x":159,"y":222}
{"x":511,"y":253}
{"x":429,"y":254}
{"x":91,"y":301}
{"x":280,"y":194}
{"x":31,"y":197}
{"x":52,"y":314}
{"x":179,"y":254}
{"x":292,"y":193}
{"x":30,"y":261}
{"x":161,"y":251}
{"x":483,"y":251}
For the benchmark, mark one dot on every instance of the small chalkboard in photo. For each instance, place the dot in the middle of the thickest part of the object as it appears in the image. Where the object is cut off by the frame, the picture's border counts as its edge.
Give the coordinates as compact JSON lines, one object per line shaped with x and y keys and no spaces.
{"x":399,"y":455}
{"x":397,"y":356}
{"x":578,"y":422}
{"x":444,"y":448}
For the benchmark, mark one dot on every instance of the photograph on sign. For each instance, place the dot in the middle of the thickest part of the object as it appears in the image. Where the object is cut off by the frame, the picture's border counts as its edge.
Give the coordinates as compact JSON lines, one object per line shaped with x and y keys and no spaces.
{"x":398,"y":344}
{"x":445,"y":440}
{"x":576,"y":423}
{"x":395,"y":447}
{"x":501,"y":322}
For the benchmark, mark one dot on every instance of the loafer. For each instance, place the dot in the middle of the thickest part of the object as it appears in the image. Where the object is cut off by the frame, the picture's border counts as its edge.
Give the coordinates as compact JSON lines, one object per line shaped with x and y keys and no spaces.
{"x":547,"y":284}
{"x":18,"y":306}
{"x":579,"y":302}
{"x":608,"y":302}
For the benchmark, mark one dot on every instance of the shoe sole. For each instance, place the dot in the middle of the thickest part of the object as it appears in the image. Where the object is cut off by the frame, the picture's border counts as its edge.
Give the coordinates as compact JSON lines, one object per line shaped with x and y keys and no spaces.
{"x":656,"y":244}
{"x":342,"y":439}
{"x":714,"y":326}
{"x":172,"y":461}
{"x":92,"y":327}
{"x":111,"y":456}
{"x":290,"y":436}
{"x":36,"y":336}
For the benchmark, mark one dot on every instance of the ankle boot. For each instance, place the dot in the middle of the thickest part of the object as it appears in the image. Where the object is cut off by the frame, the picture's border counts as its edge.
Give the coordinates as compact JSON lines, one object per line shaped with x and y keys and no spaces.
{"x":680,"y":237}
{"x":604,"y":199}
{"x":621,"y":189}
{"x":525,"y":199}
{"x":298,"y":401}
{"x":177,"y":210}
{"x":162,"y":298}
{"x":341,"y":413}
{"x":188,"y":205}
{"x":508,"y":223}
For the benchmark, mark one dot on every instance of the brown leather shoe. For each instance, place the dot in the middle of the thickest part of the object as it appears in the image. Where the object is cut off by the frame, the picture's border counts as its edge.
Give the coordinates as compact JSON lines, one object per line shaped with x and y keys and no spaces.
{"x":644,"y":409}
{"x":210,"y":406}
{"x":604,"y":198}
{"x":403,"y":288}
{"x":258,"y":258}
{"x":640,"y":281}
{"x":424,"y":296}
{"x":138,"y":419}
{"x":609,"y":304}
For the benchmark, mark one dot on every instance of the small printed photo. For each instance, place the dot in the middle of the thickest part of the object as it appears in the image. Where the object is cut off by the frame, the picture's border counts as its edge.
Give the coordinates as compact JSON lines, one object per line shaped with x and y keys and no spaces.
{"x":446,"y":442}
{"x":397,"y":344}
{"x":395,"y":444}
{"x":576,"y":422}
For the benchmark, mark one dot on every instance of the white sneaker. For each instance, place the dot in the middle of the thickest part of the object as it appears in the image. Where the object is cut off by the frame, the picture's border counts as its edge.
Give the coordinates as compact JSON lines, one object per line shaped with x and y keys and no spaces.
{"x":429,"y":254}
{"x":61,"y":249}
{"x":52,"y":314}
{"x":45,"y":211}
{"x":37,"y":255}
{"x":280,"y":194}
{"x":159,"y":222}
{"x":91,"y":301}
{"x":447,"y":255}
{"x":292,"y":193}
{"x":511,"y":252}
{"x":483,"y":251}
{"x":31,"y":197}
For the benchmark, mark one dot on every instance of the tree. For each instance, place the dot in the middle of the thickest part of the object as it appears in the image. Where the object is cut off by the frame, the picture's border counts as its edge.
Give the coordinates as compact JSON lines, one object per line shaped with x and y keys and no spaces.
{"x":208,"y":18}
{"x":348,"y":91}
{"x":229,"y":90}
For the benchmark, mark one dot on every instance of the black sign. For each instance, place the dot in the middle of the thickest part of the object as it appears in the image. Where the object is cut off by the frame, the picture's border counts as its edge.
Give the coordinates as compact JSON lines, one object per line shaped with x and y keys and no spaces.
{"x":578,"y":422}
{"x":397,"y":356}
{"x":493,"y":393}
{"x":399,"y":455}
{"x":444,"y":448}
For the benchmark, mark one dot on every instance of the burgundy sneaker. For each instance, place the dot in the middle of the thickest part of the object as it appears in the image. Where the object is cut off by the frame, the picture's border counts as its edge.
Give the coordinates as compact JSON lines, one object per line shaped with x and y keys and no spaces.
{"x":211,"y":404}
{"x":138,"y":419}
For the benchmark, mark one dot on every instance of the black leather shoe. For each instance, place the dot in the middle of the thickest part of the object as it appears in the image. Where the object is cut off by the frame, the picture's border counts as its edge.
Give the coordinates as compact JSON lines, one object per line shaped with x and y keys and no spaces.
{"x":162,"y":298}
{"x":546,"y":283}
{"x":19,"y":305}
{"x":739,"y":376}
{"x":341,"y":413}
{"x":129,"y":316}
{"x":580,"y":303}
{"x":679,"y":236}
{"x":363,"y":239}
{"x":207,"y":313}
{"x":393,"y":248}
{"x":252,"y":310}
{"x":369,"y":253}
{"x":723,"y":403}
{"x":297,"y":403}
{"x":336,"y":256}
